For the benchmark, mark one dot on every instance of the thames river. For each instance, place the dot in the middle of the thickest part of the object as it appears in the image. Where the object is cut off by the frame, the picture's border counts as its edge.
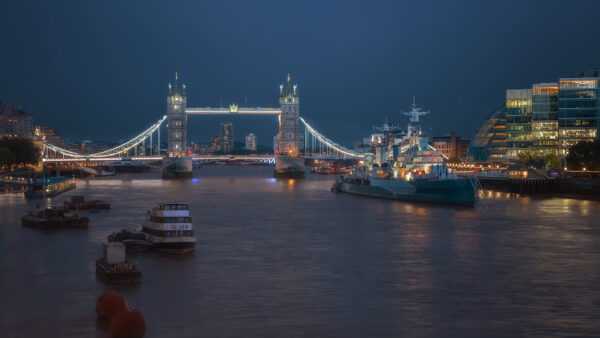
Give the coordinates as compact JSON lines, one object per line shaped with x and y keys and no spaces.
{"x":290,"y":258}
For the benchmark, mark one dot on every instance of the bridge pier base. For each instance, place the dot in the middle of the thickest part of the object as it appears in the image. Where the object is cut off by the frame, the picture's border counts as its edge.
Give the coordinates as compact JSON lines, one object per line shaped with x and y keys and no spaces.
{"x":286,"y":167}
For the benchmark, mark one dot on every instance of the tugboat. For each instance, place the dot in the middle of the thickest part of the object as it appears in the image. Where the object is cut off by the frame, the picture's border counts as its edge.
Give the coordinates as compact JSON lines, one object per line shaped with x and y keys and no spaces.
{"x":168,"y":228}
{"x":57,"y":217}
{"x":114,"y":268}
{"x":406,"y":167}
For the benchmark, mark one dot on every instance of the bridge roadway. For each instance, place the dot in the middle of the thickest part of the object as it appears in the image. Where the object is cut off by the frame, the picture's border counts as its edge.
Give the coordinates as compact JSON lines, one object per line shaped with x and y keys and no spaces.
{"x":267,"y":158}
{"x":233,"y":110}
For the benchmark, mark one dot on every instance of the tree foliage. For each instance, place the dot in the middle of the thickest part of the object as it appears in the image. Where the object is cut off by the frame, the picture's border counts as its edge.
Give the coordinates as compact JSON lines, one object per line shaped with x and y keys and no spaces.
{"x":584,"y":155}
{"x":20,"y":151}
{"x":6,"y":157}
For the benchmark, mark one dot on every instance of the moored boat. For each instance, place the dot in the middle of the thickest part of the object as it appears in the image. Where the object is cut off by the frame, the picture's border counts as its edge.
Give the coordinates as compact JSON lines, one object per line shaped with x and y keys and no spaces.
{"x":168,"y":228}
{"x":114,"y":267}
{"x":53,"y":218}
{"x":405,"y":167}
{"x":77,"y":202}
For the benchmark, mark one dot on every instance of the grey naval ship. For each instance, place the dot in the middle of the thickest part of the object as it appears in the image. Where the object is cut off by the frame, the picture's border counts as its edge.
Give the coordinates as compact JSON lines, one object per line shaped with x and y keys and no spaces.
{"x":405,"y":167}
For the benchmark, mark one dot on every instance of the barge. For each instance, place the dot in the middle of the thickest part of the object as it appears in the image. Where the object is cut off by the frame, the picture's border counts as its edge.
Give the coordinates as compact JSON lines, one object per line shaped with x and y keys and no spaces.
{"x":114,"y":267}
{"x":57,"y":217}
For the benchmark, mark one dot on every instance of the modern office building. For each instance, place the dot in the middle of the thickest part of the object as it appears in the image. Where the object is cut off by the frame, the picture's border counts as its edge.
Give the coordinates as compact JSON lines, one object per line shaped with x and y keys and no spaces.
{"x":226,"y":137}
{"x":489,"y":144}
{"x":544,"y":119}
{"x":251,"y":142}
{"x":579,"y":110}
{"x":518,"y":122}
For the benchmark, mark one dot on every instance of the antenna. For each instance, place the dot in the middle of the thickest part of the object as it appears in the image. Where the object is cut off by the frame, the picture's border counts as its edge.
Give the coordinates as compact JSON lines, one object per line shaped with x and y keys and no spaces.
{"x":415,"y":112}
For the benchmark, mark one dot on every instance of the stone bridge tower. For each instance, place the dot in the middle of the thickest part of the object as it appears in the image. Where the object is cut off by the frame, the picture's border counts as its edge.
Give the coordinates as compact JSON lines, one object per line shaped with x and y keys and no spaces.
{"x":289,"y":103}
{"x":288,"y":162}
{"x":176,"y":119}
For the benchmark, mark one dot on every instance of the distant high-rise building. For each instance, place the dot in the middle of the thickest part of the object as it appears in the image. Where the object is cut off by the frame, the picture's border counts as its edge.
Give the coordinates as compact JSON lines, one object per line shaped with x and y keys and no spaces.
{"x":215,"y":145}
{"x":276,"y":144}
{"x":251,"y":142}
{"x":579,"y":110}
{"x":518,"y":122}
{"x":226,"y":137}
{"x":14,"y":122}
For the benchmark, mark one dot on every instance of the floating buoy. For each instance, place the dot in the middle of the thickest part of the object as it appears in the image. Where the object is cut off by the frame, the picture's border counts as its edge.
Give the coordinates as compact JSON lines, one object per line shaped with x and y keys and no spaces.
{"x":108,"y":304}
{"x":128,"y":323}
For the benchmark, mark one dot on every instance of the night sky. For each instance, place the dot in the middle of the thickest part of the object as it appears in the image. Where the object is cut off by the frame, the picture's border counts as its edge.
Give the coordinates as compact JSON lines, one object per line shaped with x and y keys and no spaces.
{"x":99,"y":69}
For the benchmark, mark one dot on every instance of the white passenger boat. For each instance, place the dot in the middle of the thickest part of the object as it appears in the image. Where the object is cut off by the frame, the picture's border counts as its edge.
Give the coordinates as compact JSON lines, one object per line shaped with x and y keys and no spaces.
{"x":168,"y":228}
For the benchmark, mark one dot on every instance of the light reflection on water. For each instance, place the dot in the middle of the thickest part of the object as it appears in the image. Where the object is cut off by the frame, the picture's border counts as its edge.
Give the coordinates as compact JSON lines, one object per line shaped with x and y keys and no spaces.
{"x":287,"y":257}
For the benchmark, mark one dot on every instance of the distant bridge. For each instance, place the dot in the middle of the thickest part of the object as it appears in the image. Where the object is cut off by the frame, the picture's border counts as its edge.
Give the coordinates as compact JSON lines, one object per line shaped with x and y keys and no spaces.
{"x":316,"y":145}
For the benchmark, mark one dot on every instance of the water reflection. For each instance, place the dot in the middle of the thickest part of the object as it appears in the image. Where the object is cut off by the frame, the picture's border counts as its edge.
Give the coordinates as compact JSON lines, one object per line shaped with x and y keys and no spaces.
{"x":270,"y":262}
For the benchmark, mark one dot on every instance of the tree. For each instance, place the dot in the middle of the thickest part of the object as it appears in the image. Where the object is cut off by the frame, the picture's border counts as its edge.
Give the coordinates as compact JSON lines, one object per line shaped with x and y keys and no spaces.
{"x":22,"y":149}
{"x":524,"y":157}
{"x":6,"y":157}
{"x":584,"y":155}
{"x":552,"y":161}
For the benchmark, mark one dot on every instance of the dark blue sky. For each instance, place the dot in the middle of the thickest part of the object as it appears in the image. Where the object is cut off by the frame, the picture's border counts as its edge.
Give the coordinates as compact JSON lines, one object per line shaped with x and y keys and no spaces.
{"x":99,"y":69}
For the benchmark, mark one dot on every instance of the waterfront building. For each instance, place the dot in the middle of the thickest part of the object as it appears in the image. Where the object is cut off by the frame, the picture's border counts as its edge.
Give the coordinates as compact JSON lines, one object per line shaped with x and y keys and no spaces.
{"x":251,"y":142}
{"x":544,"y":120}
{"x":579,"y":110}
{"x":489,"y":144}
{"x":452,"y":146}
{"x":226,"y":137}
{"x":518,"y":123}
{"x":15,"y":122}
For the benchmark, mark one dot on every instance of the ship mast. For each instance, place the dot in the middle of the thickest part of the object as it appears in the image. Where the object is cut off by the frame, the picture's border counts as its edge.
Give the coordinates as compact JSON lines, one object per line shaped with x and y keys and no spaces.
{"x":415,"y":112}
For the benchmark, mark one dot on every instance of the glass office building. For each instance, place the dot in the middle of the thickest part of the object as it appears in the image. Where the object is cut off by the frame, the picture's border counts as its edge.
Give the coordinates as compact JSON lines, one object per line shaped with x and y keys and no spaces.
{"x":489,"y":144}
{"x":544,"y":119}
{"x":579,"y":111}
{"x":518,"y":123}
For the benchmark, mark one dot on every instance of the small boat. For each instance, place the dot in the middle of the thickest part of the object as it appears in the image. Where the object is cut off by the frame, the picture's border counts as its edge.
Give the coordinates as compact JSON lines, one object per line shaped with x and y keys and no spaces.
{"x":114,"y":267}
{"x":57,"y":217}
{"x":78,"y":202}
{"x":134,"y":241}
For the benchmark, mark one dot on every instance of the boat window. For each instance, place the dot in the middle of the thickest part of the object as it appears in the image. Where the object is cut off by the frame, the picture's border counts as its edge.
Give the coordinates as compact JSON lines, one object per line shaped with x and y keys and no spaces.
{"x":159,"y":219}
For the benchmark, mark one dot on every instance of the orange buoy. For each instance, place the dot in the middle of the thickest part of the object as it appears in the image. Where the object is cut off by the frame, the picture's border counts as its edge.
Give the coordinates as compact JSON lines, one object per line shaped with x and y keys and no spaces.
{"x":108,"y":304}
{"x":128,"y":323}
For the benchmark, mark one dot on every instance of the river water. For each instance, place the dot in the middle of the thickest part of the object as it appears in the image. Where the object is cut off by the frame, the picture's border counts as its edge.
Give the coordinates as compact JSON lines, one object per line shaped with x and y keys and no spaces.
{"x":290,"y":258}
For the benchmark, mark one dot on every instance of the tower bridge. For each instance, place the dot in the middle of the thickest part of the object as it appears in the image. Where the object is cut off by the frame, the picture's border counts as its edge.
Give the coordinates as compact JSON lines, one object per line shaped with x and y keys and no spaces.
{"x":289,"y":160}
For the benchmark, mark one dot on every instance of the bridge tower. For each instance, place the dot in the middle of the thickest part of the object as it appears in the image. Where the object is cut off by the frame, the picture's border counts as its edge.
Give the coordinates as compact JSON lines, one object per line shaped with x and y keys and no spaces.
{"x":288,"y":162}
{"x":176,"y":119}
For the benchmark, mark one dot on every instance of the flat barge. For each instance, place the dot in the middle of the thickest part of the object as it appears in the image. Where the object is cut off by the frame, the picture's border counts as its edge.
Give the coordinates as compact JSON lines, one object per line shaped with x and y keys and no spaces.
{"x":114,"y":267}
{"x":57,"y":217}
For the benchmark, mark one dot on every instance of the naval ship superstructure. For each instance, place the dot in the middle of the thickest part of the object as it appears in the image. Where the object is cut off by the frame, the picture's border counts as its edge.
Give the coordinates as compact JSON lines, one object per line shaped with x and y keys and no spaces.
{"x":404,"y":166}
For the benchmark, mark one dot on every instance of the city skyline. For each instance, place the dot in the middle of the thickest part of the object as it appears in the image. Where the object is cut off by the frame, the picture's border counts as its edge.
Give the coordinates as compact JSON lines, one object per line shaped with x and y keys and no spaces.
{"x":369,"y":65}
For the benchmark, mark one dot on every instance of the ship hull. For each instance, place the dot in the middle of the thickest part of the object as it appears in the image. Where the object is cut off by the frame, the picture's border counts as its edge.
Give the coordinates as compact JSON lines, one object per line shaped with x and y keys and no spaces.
{"x":174,"y":247}
{"x":177,"y":167}
{"x":453,"y":191}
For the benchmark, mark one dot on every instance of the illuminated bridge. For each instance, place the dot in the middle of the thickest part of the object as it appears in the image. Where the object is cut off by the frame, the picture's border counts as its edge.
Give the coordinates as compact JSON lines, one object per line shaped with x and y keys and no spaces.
{"x":146,"y":145}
